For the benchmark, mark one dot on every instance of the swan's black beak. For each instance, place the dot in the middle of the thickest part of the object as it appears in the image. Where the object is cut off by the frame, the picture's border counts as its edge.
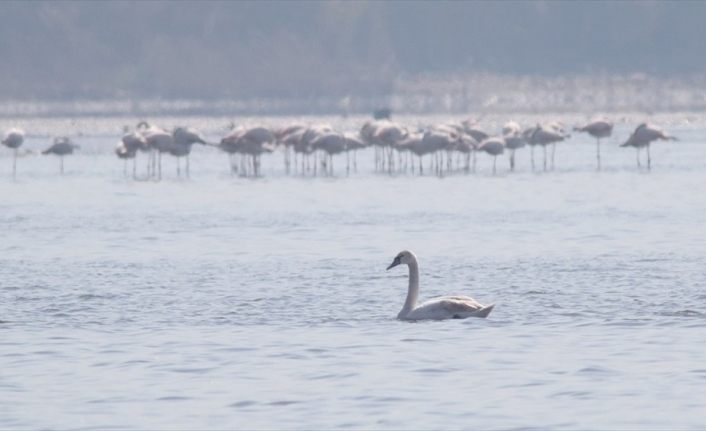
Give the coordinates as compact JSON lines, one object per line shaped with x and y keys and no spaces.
{"x":394,"y":263}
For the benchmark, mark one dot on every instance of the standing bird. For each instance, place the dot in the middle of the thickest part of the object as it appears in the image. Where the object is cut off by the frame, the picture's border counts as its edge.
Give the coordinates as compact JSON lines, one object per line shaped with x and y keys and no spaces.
{"x":598,"y":129}
{"x":122,"y":151}
{"x":545,"y":135}
{"x":387,"y":136}
{"x":127,"y":149}
{"x":158,"y":141}
{"x":353,"y":143}
{"x":527,"y":135}
{"x":493,"y":146}
{"x":252,"y":142}
{"x":287,"y":137}
{"x":305,"y":145}
{"x":416,"y":145}
{"x":331,"y":143}
{"x":256,"y":141}
{"x":643,"y":137}
{"x":62,"y":146}
{"x":231,"y":145}
{"x":514,"y":139}
{"x":184,"y":138}
{"x":12,"y":140}
{"x":558,"y":128}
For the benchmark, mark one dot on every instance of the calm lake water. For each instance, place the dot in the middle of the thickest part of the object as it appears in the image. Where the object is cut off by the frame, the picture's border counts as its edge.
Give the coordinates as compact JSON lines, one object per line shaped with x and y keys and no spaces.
{"x":224,"y":302}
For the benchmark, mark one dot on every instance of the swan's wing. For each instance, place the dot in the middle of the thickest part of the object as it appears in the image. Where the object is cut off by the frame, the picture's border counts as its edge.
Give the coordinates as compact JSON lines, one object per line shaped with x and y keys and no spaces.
{"x":449,"y":307}
{"x":463,"y":301}
{"x":460,"y":306}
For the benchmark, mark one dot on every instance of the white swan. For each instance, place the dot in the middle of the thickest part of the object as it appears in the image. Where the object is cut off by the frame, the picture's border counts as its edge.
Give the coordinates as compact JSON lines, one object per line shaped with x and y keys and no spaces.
{"x":444,"y":307}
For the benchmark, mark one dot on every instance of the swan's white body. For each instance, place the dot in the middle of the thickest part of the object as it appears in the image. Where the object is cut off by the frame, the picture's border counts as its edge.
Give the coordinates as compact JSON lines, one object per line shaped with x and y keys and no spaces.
{"x":444,"y":307}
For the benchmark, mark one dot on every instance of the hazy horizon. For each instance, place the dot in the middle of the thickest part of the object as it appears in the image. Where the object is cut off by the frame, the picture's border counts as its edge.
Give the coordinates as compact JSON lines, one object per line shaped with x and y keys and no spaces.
{"x":295,"y":50}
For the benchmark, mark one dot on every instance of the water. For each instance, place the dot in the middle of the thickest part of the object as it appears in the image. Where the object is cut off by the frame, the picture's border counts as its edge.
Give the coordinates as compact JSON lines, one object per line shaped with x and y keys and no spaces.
{"x":222,"y":302}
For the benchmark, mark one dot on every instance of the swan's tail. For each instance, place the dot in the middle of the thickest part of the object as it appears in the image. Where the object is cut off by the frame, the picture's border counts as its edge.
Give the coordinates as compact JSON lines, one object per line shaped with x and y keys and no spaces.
{"x":483,"y":312}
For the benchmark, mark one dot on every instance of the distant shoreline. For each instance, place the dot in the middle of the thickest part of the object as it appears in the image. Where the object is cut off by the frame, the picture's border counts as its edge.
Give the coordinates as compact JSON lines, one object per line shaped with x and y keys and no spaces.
{"x":449,"y":94}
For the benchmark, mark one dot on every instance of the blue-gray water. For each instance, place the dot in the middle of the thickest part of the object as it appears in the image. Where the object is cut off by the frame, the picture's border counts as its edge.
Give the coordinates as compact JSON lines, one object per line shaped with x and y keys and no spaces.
{"x":221,"y":302}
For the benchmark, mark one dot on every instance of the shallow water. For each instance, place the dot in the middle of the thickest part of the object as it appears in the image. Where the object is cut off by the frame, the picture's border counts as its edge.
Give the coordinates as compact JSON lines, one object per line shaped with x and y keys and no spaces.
{"x":223,"y":302}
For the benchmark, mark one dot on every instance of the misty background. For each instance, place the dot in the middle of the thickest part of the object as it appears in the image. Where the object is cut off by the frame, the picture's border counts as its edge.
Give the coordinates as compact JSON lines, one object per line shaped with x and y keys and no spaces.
{"x":351,"y":56}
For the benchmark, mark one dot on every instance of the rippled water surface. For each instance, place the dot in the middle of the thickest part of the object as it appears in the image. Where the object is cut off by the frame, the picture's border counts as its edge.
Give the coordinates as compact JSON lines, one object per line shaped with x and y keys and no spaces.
{"x":223,"y":302}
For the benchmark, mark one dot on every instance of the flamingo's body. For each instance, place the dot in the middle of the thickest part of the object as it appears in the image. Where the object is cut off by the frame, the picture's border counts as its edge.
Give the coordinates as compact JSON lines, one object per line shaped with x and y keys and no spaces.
{"x":643,"y":136}
{"x":62,"y":146}
{"x":493,"y":146}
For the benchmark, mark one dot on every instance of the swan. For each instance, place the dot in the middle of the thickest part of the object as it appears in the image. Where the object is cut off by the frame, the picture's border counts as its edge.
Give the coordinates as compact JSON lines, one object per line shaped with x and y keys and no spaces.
{"x":444,"y":307}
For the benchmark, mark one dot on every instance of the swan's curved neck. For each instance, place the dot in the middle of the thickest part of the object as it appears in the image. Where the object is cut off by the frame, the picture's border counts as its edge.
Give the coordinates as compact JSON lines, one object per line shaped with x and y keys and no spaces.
{"x":412,"y":290}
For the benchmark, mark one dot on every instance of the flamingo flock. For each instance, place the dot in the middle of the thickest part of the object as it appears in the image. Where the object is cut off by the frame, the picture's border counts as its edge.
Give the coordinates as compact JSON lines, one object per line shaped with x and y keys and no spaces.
{"x":156,"y":141}
{"x":310,"y":150}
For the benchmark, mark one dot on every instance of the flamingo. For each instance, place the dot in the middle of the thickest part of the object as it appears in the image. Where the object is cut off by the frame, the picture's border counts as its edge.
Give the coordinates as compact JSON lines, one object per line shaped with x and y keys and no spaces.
{"x":184,"y":138}
{"x":287,"y":136}
{"x":13,"y":139}
{"x":159,"y":141}
{"x":434,"y":140}
{"x":127,"y":148}
{"x":545,"y":135}
{"x":251,"y":142}
{"x":368,"y":134}
{"x":598,"y":129}
{"x":456,"y":140}
{"x":231,"y":145}
{"x":514,"y":139}
{"x":414,"y":142}
{"x":643,"y":136}
{"x":353,"y":143}
{"x":493,"y":146}
{"x":384,"y":135}
{"x":330,"y":143}
{"x":62,"y":146}
{"x":122,"y":151}
{"x":306,"y":147}
{"x":388,"y":135}
{"x":256,"y":141}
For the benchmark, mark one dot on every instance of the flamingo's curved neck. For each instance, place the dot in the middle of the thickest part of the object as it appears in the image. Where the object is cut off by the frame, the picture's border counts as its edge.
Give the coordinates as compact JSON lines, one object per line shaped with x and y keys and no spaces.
{"x":412,"y":290}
